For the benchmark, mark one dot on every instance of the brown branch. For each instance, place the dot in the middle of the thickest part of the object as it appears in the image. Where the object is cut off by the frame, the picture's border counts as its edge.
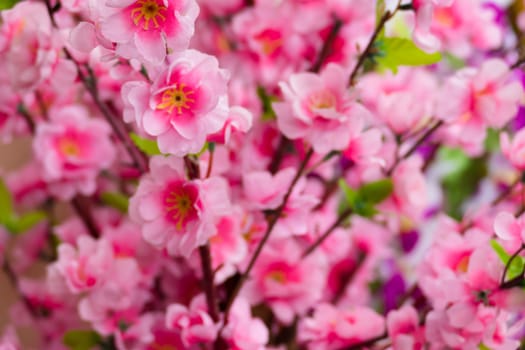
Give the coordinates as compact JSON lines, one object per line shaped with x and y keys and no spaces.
{"x":207,"y":279}
{"x":327,"y":46}
{"x":83,"y":210}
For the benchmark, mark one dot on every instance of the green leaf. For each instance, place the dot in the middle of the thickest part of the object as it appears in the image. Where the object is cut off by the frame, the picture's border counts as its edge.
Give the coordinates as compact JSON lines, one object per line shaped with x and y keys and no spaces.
{"x":395,"y":52}
{"x":6,"y":203}
{"x":516,"y":266}
{"x":350,"y":194}
{"x":492,"y":140}
{"x":24,"y":223}
{"x":81,"y":339}
{"x":463,"y":179}
{"x":483,"y":347}
{"x":266,"y":100}
{"x":147,"y":146}
{"x":454,"y":62}
{"x":116,"y":200}
{"x":359,"y":204}
{"x":7,"y":4}
{"x":377,"y":191}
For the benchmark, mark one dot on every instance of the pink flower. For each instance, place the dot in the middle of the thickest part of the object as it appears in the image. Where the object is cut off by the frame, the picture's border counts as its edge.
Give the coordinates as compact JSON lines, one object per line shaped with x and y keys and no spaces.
{"x":264,"y":191}
{"x":194,"y":323}
{"x":176,"y":213}
{"x":403,"y":328}
{"x":458,"y":26}
{"x":318,"y":109}
{"x":84,"y":267}
{"x":243,"y":332}
{"x":119,"y":300}
{"x":403,"y":101}
{"x":285,"y":281}
{"x":73,"y":149}
{"x":423,"y":36}
{"x":480,"y":96}
{"x":186,"y":103}
{"x":333,"y":328}
{"x":514,"y":150}
{"x":509,"y":228}
{"x":228,"y":246}
{"x":147,"y":29}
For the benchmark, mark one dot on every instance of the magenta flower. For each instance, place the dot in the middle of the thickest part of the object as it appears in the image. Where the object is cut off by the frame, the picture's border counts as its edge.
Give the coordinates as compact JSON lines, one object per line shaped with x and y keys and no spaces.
{"x":186,"y":103}
{"x":318,"y":109}
{"x":148,"y":29}
{"x":176,"y":213}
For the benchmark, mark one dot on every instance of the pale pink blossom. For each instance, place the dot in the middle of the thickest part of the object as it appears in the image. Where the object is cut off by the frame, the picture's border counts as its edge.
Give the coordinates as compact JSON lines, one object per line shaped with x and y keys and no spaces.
{"x":186,"y":103}
{"x":403,"y":101}
{"x":319,"y":109}
{"x":147,"y":29}
{"x":510,"y":228}
{"x":73,"y":149}
{"x":266,"y":191}
{"x":176,"y":213}
{"x":244,"y":332}
{"x":483,"y":96}
{"x":514,"y":150}
{"x":403,"y":328}
{"x":85,"y":266}
{"x":194,"y":323}
{"x":285,"y":281}
{"x":333,"y":328}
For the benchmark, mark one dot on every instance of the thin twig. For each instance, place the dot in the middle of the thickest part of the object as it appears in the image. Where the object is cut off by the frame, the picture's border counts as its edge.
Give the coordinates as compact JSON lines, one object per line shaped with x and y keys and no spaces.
{"x":507,"y":266}
{"x":361,"y":60}
{"x":340,"y":219}
{"x":273,"y":218}
{"x":415,"y":146}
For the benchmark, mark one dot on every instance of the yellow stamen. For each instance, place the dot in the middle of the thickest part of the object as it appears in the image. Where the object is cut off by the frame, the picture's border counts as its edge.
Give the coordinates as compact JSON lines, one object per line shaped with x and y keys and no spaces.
{"x":148,"y":11}
{"x":176,"y":98}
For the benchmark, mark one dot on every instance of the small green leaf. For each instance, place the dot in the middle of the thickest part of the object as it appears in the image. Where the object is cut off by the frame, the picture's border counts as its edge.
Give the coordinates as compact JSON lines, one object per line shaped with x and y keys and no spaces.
{"x":502,"y":254}
{"x":24,"y":223}
{"x":149,"y":147}
{"x":377,"y":191}
{"x":516,"y":266}
{"x":395,"y":52}
{"x":81,"y":339}
{"x":6,"y":203}
{"x":266,"y":100}
{"x":116,"y":200}
{"x":483,"y":347}
{"x":454,"y":61}
{"x":7,"y":4}
{"x":359,"y":204}
{"x":492,"y":140}
{"x":350,"y":194}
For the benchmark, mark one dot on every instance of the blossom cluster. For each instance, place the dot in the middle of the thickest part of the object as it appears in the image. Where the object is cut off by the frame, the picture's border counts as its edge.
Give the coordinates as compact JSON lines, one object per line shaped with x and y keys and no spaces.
{"x":250,"y":175}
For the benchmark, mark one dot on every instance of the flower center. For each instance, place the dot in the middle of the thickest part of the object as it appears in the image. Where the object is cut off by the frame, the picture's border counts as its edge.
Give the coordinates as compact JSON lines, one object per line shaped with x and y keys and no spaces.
{"x":177,"y":97}
{"x":69,"y":147}
{"x":147,"y":11}
{"x":157,"y":346}
{"x":277,"y":276}
{"x":322,"y":100}
{"x":180,"y":203}
{"x":270,"y":40}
